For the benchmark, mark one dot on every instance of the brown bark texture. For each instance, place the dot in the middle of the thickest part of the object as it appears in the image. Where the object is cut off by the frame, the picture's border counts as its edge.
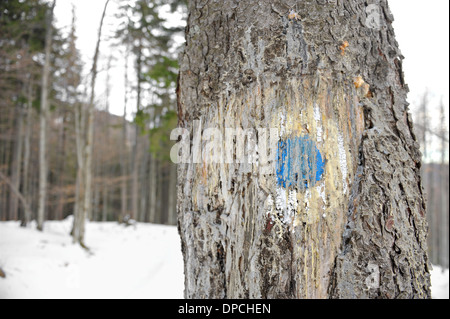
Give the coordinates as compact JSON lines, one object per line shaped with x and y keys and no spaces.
{"x":330,"y":71}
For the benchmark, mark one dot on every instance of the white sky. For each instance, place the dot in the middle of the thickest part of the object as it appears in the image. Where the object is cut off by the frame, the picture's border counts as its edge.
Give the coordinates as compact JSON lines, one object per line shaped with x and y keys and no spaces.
{"x":88,"y":14}
{"x":422,"y":30}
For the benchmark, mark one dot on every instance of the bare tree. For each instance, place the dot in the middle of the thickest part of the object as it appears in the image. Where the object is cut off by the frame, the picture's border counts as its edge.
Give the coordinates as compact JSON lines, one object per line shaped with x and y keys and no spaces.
{"x":123,"y":153}
{"x":136,"y":147}
{"x":86,"y":179}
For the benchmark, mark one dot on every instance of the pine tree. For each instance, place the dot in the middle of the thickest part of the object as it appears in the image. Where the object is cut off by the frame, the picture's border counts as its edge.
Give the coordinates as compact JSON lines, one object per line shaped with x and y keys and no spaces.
{"x":23,"y":29}
{"x":150,"y":42}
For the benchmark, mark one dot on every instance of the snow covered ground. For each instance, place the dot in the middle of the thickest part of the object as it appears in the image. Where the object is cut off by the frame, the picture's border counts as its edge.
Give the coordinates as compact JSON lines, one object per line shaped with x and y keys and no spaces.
{"x":124,"y":262}
{"x":439,"y":283}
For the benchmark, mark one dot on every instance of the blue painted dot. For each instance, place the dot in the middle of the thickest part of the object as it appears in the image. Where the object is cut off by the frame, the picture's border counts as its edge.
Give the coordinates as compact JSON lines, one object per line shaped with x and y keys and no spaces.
{"x":299,"y":163}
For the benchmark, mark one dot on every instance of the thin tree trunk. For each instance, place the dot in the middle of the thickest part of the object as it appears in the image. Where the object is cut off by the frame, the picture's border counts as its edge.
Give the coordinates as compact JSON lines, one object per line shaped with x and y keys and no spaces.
{"x":62,"y":165}
{"x":6,"y":160}
{"x":136,"y":148}
{"x":107,"y":172}
{"x":105,"y":203}
{"x":144,"y":172}
{"x":135,"y":177}
{"x":43,"y":123}
{"x":16,"y":166}
{"x":159,"y":193}
{"x":424,"y":124}
{"x":340,"y":212}
{"x":79,"y":113}
{"x":152,"y":189}
{"x":80,"y":140}
{"x":95,"y":200}
{"x":26,"y":157}
{"x":124,"y":153}
{"x":97,"y":179}
{"x":86,"y":191}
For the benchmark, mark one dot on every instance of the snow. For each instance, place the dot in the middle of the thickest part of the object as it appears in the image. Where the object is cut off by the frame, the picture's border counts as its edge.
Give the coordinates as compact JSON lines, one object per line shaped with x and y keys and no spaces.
{"x":143,"y":261}
{"x":439,"y":283}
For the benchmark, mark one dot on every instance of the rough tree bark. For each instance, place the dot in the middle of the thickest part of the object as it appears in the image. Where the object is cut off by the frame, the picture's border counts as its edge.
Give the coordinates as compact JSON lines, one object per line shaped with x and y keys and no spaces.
{"x":326,"y":72}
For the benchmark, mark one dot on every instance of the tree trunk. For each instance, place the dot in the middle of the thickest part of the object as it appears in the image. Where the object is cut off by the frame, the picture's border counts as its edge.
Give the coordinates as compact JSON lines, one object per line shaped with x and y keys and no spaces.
{"x":86,"y":184}
{"x":95,"y":200}
{"x":105,"y":203}
{"x":124,"y":151}
{"x":26,"y":157}
{"x":16,"y":167}
{"x":142,"y":190}
{"x":62,"y":168}
{"x":136,"y":147}
{"x":337,"y":211}
{"x":107,"y":170}
{"x":43,"y":123}
{"x":152,"y":189}
{"x":80,"y":120}
{"x":135,"y":176}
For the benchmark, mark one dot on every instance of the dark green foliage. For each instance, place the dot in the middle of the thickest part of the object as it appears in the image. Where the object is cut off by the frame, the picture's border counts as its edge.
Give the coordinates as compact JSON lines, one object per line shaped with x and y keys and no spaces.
{"x":22,"y":23}
{"x":149,"y":39}
{"x":22,"y":44}
{"x":141,"y":120}
{"x":164,"y":71}
{"x":22,"y":39}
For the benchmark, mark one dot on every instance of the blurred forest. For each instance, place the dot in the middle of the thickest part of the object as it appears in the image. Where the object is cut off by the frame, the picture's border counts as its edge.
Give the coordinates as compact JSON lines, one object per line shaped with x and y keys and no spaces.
{"x":63,"y":153}
{"x":431,"y":127}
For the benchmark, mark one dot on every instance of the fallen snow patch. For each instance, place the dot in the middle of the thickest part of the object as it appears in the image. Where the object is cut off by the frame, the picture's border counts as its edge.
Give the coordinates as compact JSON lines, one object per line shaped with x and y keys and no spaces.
{"x":439,"y":283}
{"x":140,"y":261}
